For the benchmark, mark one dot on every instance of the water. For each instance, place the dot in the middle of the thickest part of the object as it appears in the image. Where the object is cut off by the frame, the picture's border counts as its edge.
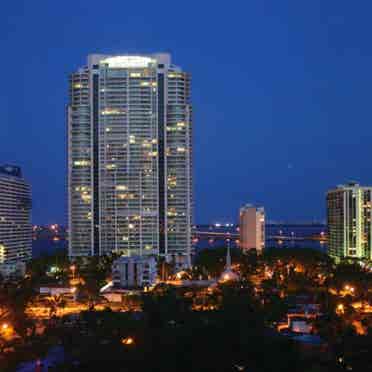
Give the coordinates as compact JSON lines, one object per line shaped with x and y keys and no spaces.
{"x":48,"y":246}
{"x":295,"y":231}
{"x":41,"y":247}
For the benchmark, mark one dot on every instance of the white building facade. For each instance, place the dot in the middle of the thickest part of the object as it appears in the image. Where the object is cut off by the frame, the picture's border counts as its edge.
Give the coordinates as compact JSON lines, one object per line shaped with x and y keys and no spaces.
{"x":349,"y":215}
{"x":252,"y":228}
{"x":134,"y":272}
{"x":130,"y":158}
{"x":15,"y":220}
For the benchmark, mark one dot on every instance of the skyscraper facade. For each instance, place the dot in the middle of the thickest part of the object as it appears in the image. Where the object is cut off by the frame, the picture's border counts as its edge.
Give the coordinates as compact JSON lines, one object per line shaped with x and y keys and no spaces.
{"x":349,"y":222}
{"x":130,"y":158}
{"x":15,"y":216}
{"x":252,"y":228}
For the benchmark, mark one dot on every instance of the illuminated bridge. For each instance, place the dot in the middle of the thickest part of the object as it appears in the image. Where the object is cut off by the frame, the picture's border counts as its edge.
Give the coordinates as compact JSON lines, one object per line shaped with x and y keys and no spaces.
{"x":235,"y":235}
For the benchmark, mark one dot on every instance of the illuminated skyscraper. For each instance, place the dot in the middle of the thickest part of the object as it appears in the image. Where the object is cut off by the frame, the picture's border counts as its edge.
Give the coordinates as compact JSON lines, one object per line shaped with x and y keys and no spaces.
{"x":130,"y":158}
{"x":15,"y":217}
{"x":252,"y":228}
{"x":349,"y":222}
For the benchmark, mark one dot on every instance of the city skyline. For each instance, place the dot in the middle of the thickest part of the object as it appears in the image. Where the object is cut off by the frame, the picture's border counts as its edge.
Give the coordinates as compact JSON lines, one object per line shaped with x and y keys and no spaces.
{"x":277,"y":92}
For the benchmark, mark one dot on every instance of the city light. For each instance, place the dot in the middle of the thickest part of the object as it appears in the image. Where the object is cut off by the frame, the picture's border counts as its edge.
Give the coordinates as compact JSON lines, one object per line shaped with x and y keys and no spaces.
{"x":340,"y":309}
{"x":226,"y":277}
{"x":127,"y":341}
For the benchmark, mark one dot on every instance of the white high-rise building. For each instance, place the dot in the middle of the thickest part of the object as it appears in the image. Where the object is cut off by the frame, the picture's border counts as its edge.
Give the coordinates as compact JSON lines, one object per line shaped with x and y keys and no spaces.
{"x":15,"y":218}
{"x":349,"y":212}
{"x":252,"y":228}
{"x":130,"y":158}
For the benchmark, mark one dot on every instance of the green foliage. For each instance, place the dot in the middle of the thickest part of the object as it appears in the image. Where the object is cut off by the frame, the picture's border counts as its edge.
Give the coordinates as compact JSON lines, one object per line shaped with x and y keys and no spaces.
{"x":38,"y":268}
{"x":352,"y":274}
{"x":94,"y":271}
{"x":165,"y":305}
{"x":305,"y":256}
{"x":212,"y":261}
{"x":14,"y":299}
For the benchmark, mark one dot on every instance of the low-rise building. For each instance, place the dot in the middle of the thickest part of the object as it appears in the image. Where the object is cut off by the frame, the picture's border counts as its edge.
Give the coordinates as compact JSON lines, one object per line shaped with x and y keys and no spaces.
{"x":134,"y":272}
{"x":56,"y":290}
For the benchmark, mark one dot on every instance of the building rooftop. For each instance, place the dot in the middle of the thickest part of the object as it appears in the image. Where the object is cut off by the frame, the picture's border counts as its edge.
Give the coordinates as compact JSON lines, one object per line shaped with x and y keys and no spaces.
{"x":10,"y":170}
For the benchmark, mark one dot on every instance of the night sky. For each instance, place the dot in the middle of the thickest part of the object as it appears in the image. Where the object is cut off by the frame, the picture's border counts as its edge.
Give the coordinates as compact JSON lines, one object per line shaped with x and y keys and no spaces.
{"x":282,"y":94}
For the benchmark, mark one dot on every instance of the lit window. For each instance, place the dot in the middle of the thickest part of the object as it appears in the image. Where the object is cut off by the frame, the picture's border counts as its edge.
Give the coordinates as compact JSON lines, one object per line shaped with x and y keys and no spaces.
{"x":135,"y":74}
{"x":81,"y":163}
{"x":172,"y":181}
{"x":121,"y":187}
{"x":128,"y":61}
{"x":2,"y":253}
{"x":112,"y":111}
{"x":126,"y":196}
{"x":82,"y":188}
{"x":171,"y":212}
{"x":86,"y":198}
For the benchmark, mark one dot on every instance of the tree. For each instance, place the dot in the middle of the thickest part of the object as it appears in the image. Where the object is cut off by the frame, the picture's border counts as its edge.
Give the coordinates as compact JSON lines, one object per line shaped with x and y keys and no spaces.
{"x":164,"y":306}
{"x":213,"y":261}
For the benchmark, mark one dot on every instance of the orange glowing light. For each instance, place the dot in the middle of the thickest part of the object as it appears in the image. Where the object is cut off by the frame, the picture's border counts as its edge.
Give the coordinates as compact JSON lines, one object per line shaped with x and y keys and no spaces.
{"x":127,"y":341}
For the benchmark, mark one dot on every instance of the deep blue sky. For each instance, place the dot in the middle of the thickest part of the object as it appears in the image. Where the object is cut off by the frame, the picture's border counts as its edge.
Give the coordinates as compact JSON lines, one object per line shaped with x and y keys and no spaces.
{"x":282,"y":93}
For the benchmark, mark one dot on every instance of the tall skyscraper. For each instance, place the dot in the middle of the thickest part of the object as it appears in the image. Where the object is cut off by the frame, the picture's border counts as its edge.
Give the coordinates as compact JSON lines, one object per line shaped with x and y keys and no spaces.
{"x":349,"y":222}
{"x":130,"y":157}
{"x":252,"y":228}
{"x":15,"y":216}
